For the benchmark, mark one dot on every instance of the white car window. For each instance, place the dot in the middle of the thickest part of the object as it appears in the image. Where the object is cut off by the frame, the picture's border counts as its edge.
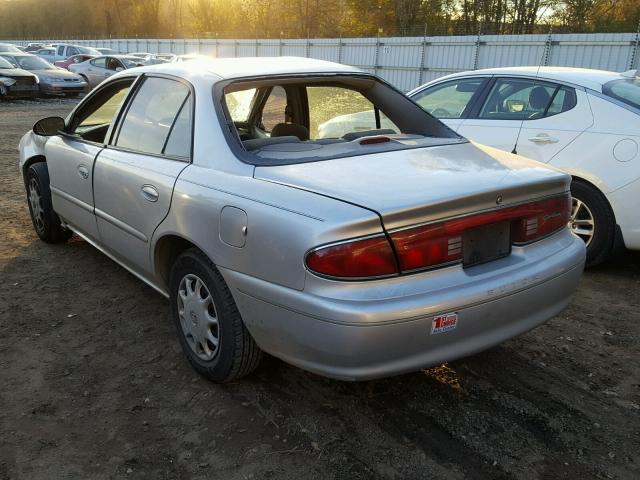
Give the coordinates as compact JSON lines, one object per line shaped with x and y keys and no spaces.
{"x":179,"y":141}
{"x":448,"y":100}
{"x":151,"y":115}
{"x":273,"y":112}
{"x":625,"y":90}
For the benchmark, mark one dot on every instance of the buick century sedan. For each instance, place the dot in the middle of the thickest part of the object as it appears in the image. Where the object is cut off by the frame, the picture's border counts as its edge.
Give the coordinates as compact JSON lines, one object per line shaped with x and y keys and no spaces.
{"x":367,"y":254}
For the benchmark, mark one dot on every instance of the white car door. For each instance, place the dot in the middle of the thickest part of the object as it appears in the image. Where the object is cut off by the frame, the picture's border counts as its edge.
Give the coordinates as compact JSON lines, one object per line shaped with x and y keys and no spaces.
{"x":71,"y":156}
{"x":135,"y":174}
{"x":450,"y":101}
{"x":566,"y":116}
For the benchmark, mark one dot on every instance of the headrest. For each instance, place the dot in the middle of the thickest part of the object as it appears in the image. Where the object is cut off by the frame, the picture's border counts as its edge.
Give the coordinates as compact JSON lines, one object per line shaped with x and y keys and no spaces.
{"x":290,"y":129}
{"x":539,"y":98}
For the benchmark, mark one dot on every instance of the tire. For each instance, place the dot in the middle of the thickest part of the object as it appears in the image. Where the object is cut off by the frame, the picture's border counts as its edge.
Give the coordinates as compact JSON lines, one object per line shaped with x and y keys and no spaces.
{"x":601,"y":244}
{"x":236,"y":353}
{"x":45,"y":221}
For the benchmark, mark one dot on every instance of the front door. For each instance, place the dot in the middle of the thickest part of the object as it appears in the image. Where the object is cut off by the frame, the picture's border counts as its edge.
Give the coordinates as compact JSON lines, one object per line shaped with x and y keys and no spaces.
{"x":71,"y":157}
{"x":135,"y":175}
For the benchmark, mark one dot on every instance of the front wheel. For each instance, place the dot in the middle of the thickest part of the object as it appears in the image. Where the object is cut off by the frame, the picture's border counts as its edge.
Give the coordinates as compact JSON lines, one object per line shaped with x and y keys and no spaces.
{"x":592,"y":220}
{"x":46,"y":222}
{"x":211,"y":331}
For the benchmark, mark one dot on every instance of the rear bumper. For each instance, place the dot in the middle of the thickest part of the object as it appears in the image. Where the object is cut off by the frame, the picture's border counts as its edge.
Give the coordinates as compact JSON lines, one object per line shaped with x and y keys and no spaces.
{"x":364,"y":339}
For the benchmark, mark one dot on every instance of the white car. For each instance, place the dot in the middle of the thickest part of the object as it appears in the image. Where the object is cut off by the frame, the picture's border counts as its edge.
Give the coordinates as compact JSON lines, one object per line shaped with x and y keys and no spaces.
{"x":585,"y":122}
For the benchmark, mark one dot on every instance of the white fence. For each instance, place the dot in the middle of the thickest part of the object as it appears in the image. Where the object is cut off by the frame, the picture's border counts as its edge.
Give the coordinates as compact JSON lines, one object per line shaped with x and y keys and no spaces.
{"x":410,"y":61}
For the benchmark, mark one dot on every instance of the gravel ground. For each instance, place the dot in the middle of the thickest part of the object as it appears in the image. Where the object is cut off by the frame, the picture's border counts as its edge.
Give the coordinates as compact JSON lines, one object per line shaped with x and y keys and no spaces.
{"x":93,"y":383}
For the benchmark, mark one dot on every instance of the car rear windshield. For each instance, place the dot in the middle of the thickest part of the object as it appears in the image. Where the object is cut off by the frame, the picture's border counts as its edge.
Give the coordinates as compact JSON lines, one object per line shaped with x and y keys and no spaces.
{"x":625,"y":90}
{"x":286,"y":120}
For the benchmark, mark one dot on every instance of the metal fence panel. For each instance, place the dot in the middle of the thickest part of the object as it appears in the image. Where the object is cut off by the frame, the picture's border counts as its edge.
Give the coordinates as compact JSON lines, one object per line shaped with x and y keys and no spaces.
{"x":408,"y":61}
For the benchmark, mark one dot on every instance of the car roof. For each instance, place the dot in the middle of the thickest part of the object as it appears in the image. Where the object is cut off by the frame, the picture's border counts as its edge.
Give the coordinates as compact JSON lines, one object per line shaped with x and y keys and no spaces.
{"x":230,"y":68}
{"x":584,"y":77}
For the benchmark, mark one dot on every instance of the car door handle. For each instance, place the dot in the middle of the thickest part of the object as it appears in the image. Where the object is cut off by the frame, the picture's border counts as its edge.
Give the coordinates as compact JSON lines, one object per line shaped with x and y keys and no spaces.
{"x":543,"y":138}
{"x":150,"y":193}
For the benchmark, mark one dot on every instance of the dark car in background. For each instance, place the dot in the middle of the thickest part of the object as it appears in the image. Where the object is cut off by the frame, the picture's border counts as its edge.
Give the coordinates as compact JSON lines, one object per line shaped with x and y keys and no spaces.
{"x":16,"y":82}
{"x":52,"y":80}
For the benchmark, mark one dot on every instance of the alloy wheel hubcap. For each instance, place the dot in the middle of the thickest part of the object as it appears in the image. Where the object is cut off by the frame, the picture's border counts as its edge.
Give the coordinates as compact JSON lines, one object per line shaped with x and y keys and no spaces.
{"x":198,"y":317}
{"x":581,"y":222}
{"x":36,"y":205}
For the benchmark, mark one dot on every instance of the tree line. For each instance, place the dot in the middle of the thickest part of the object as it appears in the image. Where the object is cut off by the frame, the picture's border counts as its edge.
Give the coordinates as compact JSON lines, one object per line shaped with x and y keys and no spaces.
{"x":310,"y":18}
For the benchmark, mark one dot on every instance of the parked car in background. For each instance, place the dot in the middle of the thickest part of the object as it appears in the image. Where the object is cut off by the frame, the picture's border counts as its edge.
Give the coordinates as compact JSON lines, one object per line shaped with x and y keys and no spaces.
{"x":47,"y":53}
{"x":17,"y":83}
{"x":97,"y":69}
{"x":21,"y":48}
{"x":107,"y":51}
{"x":148,"y":58}
{"x":368,"y":255}
{"x":190,"y":57}
{"x":167,"y":57}
{"x":9,"y":48}
{"x":585,"y":122}
{"x":52,"y":80}
{"x":62,"y":51}
{"x":34,"y":47}
{"x":71,"y":60}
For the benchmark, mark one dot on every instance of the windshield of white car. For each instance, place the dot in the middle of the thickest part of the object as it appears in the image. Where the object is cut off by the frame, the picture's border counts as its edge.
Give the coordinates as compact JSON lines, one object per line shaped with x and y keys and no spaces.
{"x":302,"y":119}
{"x":33,"y":63}
{"x":5,"y":65}
{"x":625,"y":90}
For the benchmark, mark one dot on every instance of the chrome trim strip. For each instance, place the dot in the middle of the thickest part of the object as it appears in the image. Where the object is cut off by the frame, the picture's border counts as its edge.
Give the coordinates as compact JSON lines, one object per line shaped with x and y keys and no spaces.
{"x":121,"y":225}
{"x":157,"y":288}
{"x":71,"y":199}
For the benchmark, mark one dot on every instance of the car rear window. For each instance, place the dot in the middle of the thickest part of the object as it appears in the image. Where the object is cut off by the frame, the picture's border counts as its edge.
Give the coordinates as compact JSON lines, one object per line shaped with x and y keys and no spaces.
{"x":305,"y":118}
{"x":625,"y":90}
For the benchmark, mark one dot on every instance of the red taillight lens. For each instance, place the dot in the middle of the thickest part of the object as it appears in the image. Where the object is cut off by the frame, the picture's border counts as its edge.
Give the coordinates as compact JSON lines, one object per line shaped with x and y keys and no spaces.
{"x":440,"y":243}
{"x":541,"y":219}
{"x":371,"y":257}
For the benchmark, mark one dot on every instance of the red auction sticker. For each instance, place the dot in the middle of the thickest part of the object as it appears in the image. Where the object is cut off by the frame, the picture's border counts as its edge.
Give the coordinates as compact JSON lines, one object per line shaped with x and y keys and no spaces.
{"x":444,"y":323}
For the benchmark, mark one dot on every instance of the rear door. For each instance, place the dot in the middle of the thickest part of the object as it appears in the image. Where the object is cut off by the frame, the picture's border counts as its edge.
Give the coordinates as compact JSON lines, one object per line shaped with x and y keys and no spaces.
{"x":566,"y":116}
{"x":135,"y":175}
{"x":453,"y":100}
{"x":71,"y":156}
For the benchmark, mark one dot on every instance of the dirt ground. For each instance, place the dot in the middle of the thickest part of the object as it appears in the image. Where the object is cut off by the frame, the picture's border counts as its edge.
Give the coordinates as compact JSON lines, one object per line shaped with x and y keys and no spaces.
{"x":93,"y":384}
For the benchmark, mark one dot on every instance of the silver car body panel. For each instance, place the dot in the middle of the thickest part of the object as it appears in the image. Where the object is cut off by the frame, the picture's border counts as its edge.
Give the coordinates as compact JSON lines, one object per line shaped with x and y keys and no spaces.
{"x":349,"y":330}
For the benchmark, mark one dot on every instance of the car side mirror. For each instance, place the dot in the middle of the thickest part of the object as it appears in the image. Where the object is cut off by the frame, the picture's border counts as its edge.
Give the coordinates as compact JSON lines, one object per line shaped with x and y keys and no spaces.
{"x":119,"y":69}
{"x":47,"y":127}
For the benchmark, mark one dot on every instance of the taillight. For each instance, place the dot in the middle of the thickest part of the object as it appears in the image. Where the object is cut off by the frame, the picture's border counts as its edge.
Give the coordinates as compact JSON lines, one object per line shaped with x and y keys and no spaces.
{"x":366,"y":258}
{"x":440,"y":243}
{"x":540,"y":219}
{"x":436,"y":244}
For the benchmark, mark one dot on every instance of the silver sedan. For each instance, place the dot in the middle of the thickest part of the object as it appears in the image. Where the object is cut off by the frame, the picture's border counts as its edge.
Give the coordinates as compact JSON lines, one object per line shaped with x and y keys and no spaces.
{"x":97,"y":69}
{"x":368,"y":254}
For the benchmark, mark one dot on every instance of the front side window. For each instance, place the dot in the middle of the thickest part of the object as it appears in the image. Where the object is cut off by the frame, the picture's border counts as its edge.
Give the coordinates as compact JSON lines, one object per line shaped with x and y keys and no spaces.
{"x":626,"y":90}
{"x":448,"y":100}
{"x":94,"y":119}
{"x":151,"y":116}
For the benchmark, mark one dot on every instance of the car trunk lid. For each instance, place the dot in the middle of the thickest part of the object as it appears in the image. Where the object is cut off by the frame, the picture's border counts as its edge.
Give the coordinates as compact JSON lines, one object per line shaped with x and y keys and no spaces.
{"x":413,"y":186}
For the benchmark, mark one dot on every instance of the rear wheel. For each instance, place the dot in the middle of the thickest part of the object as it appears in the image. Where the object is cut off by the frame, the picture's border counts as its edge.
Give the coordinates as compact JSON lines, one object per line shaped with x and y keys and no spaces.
{"x":211,"y":331}
{"x":592,"y":220}
{"x":46,"y":222}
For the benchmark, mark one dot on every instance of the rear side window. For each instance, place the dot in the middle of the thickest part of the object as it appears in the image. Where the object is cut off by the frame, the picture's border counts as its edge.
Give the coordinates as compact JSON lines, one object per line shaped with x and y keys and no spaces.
{"x":179,"y":141}
{"x":152,"y":115}
{"x":448,"y":100}
{"x":526,"y":99}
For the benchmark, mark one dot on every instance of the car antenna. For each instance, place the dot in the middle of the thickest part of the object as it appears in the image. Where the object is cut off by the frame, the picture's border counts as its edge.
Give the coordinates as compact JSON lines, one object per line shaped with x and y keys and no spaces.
{"x":543,"y":60}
